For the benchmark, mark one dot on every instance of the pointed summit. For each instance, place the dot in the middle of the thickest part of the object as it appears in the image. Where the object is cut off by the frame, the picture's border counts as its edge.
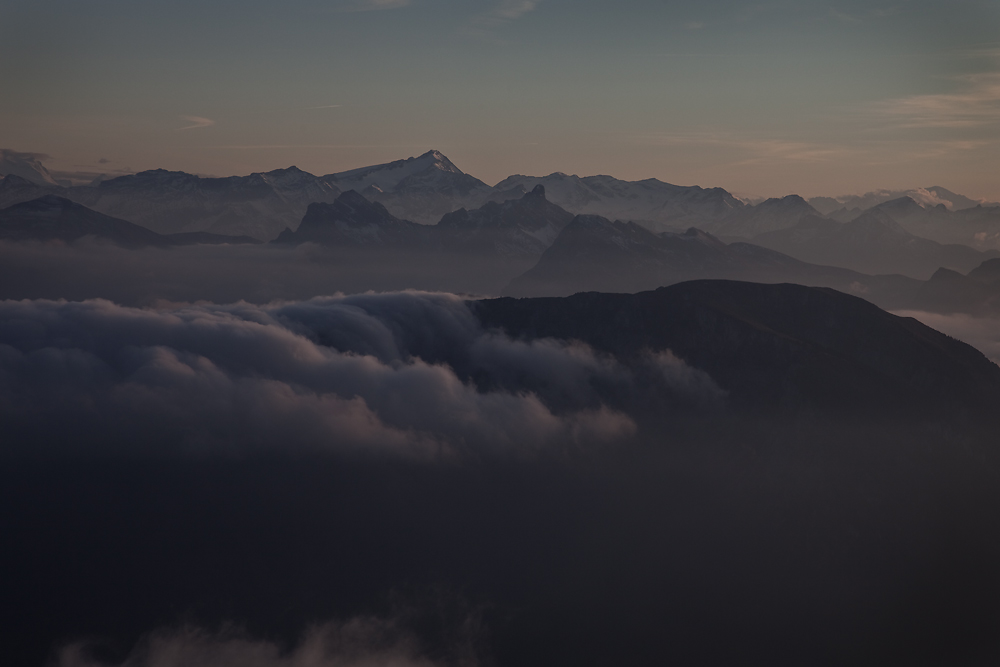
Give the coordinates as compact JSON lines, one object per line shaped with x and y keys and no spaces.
{"x":421,"y":188}
{"x":538,"y":192}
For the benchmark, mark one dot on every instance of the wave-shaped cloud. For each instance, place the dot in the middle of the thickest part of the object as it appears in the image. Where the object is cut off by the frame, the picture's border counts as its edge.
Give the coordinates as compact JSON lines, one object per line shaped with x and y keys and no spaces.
{"x":409,"y":373}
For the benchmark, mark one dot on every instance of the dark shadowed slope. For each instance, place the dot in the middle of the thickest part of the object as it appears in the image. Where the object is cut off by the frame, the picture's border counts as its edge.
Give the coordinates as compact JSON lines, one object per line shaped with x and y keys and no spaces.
{"x":517,"y":229}
{"x":52,"y":218}
{"x":872,"y":243}
{"x":352,"y":220}
{"x":523,"y":227}
{"x":15,"y":189}
{"x":774,"y":346}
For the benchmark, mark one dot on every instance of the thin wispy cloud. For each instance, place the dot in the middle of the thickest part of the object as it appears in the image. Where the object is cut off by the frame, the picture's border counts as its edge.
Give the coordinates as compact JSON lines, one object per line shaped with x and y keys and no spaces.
{"x":755,"y":151}
{"x":196,"y":122}
{"x":503,"y":13}
{"x":744,"y":151}
{"x":844,"y":16}
{"x":351,"y":6}
{"x":976,"y":104}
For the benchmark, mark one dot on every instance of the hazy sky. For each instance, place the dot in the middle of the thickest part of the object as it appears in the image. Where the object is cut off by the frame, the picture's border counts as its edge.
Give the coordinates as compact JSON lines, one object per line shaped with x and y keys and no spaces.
{"x":760,"y":98}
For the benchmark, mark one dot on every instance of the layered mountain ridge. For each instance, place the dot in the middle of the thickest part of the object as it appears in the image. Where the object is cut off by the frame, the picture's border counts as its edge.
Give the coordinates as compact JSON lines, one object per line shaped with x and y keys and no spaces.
{"x":425,"y":188}
{"x":52,"y":218}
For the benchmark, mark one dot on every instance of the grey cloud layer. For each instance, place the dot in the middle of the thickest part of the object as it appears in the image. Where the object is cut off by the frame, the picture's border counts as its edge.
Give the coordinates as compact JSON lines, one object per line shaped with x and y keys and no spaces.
{"x":409,"y":373}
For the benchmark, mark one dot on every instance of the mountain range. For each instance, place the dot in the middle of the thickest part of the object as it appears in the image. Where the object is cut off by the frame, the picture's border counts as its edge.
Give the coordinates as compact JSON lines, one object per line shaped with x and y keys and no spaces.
{"x":529,"y":246}
{"x":424,"y":189}
{"x":596,"y":254}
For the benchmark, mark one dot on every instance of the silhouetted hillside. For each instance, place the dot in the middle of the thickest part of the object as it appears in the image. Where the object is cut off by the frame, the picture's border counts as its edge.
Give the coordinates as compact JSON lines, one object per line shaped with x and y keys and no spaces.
{"x":774,"y":346}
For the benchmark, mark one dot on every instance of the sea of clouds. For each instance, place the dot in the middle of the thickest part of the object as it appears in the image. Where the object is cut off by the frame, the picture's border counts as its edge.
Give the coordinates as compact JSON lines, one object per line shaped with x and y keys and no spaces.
{"x":411,"y":373}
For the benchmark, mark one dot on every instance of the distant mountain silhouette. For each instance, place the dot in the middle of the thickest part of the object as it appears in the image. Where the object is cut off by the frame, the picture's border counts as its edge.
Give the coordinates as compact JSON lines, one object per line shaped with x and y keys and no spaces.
{"x":15,"y":189}
{"x":977,"y":227}
{"x":767,"y":216}
{"x":259,"y":205}
{"x":928,"y":197}
{"x":352,"y":220}
{"x":52,"y":218}
{"x":872,"y":243}
{"x":593,"y":253}
{"x":520,"y":228}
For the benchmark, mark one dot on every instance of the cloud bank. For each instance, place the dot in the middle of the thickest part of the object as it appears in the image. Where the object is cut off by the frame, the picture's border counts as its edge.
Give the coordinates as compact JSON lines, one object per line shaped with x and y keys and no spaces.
{"x":410,"y":374}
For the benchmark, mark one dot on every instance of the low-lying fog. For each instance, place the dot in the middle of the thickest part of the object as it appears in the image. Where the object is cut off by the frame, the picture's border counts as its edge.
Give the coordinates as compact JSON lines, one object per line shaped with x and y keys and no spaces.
{"x":226,"y":274}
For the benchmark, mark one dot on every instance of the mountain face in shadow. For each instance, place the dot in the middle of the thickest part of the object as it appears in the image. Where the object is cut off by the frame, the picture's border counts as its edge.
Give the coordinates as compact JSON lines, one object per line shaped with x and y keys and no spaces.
{"x":14,"y":189}
{"x":523,"y":227}
{"x":773,"y":346}
{"x":595,"y":254}
{"x":871,"y":243}
{"x":517,"y":229}
{"x":52,"y":218}
{"x":352,"y":220}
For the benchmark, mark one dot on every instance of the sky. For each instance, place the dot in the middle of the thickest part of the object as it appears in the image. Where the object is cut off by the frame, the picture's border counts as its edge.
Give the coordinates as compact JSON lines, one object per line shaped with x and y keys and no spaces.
{"x":763,"y":99}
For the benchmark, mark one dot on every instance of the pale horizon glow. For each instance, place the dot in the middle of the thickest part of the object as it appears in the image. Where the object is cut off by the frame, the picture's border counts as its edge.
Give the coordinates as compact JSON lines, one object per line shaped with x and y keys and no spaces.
{"x":809,"y":98}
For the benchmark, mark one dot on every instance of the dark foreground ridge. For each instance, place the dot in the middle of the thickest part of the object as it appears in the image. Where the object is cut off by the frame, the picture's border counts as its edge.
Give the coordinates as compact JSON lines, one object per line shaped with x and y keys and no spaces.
{"x":774,"y":345}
